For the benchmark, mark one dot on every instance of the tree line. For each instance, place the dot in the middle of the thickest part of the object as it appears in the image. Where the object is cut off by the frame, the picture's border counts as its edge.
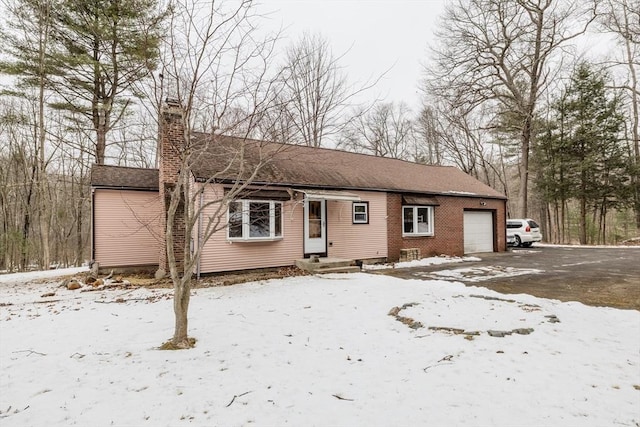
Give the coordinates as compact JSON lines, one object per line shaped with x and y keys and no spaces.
{"x":508,"y":97}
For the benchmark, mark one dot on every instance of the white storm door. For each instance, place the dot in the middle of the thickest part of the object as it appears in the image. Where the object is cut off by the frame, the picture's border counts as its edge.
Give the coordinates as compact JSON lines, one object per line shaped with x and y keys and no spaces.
{"x":315,"y":227}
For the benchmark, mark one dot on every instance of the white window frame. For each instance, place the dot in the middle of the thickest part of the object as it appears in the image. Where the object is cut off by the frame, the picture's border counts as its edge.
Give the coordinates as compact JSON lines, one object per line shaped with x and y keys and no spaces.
{"x":365,"y":213}
{"x":246,"y":221}
{"x":415,"y":208}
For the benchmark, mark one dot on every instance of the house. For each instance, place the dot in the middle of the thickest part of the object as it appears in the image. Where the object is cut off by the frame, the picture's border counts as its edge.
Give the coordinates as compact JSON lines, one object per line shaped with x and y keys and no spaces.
{"x":303,"y":201}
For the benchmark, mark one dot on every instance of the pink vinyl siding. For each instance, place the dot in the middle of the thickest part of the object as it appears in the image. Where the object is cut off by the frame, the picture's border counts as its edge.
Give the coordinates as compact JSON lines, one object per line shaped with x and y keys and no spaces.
{"x":220,"y":254}
{"x":357,"y":241}
{"x":126,"y":227}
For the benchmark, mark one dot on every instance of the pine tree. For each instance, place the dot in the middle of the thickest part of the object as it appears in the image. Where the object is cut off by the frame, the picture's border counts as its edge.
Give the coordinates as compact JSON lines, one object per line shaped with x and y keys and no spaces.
{"x":580,"y":154}
{"x":104,"y":47}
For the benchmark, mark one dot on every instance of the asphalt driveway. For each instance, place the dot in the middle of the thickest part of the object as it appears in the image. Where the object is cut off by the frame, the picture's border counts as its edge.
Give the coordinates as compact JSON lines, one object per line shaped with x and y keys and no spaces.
{"x":593,"y":276}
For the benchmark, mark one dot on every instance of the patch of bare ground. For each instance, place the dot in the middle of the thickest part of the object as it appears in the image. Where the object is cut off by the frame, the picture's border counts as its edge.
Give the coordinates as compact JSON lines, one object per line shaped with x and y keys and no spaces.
{"x":632,"y":242}
{"x":233,"y":278}
{"x":170,"y":345}
{"x":219,"y":279}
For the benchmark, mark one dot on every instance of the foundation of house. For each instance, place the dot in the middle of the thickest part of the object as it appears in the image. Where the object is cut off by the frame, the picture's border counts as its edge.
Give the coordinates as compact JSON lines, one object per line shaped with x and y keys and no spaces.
{"x":327,"y":265}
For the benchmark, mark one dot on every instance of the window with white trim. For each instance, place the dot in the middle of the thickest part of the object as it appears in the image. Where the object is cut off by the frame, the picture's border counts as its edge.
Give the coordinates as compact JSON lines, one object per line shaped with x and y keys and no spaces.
{"x":254,"y":220}
{"x":360,"y":213}
{"x":417,"y":220}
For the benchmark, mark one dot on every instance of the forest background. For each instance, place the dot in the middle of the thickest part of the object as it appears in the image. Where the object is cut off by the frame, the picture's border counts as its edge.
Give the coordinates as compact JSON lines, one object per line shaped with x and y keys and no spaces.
{"x":510,"y":94}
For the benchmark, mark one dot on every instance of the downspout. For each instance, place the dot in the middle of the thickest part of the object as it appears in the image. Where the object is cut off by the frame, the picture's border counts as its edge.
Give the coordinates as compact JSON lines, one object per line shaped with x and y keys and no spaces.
{"x":200,"y":235}
{"x":93,"y":227}
{"x":504,"y":235}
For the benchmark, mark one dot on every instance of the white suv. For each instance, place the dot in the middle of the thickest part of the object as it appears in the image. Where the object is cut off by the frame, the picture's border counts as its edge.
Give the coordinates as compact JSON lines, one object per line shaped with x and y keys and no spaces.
{"x":524,"y":231}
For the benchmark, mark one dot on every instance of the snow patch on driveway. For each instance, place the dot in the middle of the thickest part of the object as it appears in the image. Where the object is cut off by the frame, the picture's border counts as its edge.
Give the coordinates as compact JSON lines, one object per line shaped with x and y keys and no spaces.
{"x":424,"y":262}
{"x":477,"y":274}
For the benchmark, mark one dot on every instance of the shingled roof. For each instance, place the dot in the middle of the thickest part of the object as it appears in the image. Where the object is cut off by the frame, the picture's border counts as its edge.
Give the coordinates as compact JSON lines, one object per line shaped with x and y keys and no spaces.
{"x":302,"y":166}
{"x":124,"y":177}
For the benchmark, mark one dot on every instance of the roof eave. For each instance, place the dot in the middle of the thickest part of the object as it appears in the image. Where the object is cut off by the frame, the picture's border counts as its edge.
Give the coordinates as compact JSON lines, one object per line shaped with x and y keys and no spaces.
{"x":353,"y":188}
{"x":122,"y":187}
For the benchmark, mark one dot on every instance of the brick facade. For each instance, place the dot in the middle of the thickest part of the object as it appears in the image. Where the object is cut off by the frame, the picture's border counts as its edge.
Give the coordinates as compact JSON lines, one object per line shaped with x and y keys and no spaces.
{"x":448,"y":238}
{"x":171,"y":144}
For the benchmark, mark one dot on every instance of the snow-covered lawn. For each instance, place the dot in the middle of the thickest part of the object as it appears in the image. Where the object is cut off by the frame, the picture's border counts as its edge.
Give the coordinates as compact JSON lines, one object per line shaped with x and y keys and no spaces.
{"x":315,"y":351}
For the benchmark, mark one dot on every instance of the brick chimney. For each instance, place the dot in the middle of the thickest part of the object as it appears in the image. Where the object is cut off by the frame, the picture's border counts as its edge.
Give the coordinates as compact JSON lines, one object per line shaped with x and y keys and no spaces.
{"x":172,"y":144}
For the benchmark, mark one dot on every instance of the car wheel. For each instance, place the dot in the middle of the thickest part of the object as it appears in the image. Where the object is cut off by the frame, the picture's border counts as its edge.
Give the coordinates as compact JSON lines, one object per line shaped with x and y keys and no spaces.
{"x":517,"y":242}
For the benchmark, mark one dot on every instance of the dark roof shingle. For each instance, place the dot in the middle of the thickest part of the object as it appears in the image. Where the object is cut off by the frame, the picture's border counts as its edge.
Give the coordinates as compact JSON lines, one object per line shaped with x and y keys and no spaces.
{"x":124,"y":177}
{"x":225,"y":158}
{"x":297,"y":165}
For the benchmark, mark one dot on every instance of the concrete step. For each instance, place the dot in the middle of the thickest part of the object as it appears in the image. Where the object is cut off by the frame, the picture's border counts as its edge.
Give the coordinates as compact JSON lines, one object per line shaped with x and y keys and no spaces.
{"x":324,"y":264}
{"x":348,"y":269}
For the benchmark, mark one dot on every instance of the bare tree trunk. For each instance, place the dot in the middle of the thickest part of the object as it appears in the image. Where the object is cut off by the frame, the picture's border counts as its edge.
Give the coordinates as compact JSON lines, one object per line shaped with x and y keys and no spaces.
{"x":603,"y":220}
{"x":583,"y":221}
{"x":553,"y":215}
{"x":78,"y":257}
{"x":26,"y":224}
{"x":594,"y":234}
{"x":44,"y":203}
{"x":181,"y":297}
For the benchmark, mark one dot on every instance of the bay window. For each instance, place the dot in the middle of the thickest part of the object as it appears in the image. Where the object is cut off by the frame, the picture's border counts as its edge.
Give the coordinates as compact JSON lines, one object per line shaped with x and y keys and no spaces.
{"x":254,"y":220}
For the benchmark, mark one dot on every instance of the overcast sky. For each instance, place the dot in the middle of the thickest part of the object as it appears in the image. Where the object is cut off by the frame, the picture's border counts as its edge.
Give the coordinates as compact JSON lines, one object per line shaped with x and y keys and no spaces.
{"x":376,"y":35}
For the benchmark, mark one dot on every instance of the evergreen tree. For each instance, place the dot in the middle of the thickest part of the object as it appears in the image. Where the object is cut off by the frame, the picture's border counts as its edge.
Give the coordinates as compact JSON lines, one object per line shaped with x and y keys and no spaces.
{"x":581,"y":155}
{"x":104,"y":47}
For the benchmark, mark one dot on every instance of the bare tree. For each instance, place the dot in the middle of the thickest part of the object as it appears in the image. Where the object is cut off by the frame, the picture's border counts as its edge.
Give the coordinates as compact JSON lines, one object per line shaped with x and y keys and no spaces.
{"x":317,"y":88}
{"x":215,"y":69}
{"x":316,"y":92}
{"x":387,"y":130}
{"x":428,"y":147}
{"x":505,"y":52}
{"x":464,"y":140}
{"x":30,"y":25}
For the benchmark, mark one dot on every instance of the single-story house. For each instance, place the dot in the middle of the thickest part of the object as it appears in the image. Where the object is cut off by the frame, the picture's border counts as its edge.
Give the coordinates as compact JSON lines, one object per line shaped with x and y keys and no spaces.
{"x":303,"y":201}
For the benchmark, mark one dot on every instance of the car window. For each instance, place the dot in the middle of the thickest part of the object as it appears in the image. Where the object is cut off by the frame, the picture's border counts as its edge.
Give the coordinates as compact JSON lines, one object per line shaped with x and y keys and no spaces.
{"x":513,"y":224}
{"x":533,"y":224}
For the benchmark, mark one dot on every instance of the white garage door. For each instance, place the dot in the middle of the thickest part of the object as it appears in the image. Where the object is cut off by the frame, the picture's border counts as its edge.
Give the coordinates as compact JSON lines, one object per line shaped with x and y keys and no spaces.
{"x":478,"y":232}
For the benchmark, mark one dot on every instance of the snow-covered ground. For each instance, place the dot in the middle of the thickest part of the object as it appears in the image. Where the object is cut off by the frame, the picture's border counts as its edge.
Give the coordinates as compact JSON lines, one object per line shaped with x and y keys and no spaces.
{"x":315,"y":351}
{"x":36,"y":275}
{"x":423,"y":262}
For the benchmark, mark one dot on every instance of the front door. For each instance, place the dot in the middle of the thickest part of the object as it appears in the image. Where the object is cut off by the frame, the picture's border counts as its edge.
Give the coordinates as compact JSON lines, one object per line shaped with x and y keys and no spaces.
{"x":315,"y":227}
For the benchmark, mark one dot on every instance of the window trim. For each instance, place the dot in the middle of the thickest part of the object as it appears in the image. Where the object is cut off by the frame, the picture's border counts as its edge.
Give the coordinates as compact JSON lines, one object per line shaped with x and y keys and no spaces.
{"x":431,"y":213}
{"x":246,"y":221}
{"x":366,"y":212}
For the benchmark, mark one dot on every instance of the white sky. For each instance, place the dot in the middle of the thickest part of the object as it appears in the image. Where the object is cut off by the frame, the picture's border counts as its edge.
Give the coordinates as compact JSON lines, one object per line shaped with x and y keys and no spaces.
{"x":381,"y":34}
{"x":375,"y":34}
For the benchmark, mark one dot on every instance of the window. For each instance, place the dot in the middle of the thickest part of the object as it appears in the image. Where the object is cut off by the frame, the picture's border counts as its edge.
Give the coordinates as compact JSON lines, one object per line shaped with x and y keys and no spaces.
{"x":254,"y":220}
{"x":417,"y":220}
{"x":361,"y":212}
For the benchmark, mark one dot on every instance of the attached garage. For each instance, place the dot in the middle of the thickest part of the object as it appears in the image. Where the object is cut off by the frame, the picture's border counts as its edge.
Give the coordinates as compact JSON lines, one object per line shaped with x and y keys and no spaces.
{"x":478,"y":231}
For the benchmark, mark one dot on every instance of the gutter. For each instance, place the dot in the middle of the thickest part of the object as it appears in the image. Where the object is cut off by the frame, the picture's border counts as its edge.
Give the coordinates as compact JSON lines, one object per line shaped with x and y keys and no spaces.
{"x":379,"y":190}
{"x":114,"y":187}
